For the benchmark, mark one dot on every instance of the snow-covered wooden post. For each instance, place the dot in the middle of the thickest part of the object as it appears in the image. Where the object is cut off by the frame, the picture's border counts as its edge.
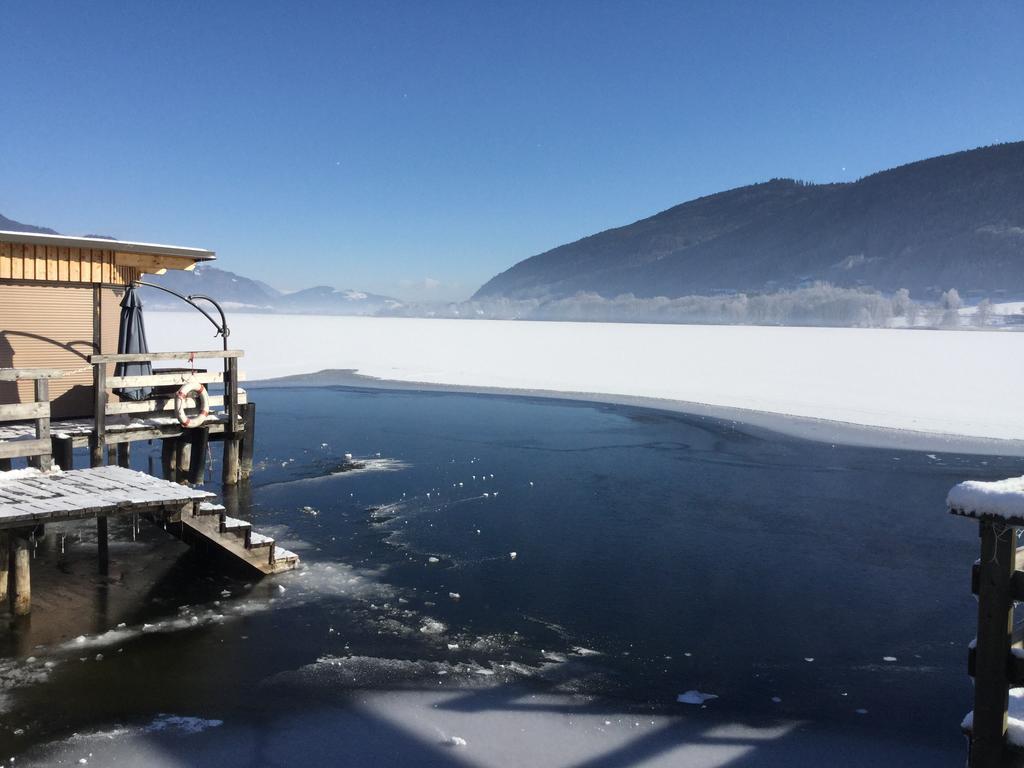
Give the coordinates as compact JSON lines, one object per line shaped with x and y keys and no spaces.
{"x":996,"y":724}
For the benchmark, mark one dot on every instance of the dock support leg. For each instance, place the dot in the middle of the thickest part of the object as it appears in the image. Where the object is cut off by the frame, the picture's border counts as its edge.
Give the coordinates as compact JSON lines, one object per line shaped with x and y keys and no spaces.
{"x":5,"y":557}
{"x":230,"y":474}
{"x":21,"y":592}
{"x":168,"y":457}
{"x":182,"y":458}
{"x":96,"y":451}
{"x":199,"y":442}
{"x":102,"y":545}
{"x":247,"y":448}
{"x":995,"y":625}
{"x":124,"y":454}
{"x":63,"y":452}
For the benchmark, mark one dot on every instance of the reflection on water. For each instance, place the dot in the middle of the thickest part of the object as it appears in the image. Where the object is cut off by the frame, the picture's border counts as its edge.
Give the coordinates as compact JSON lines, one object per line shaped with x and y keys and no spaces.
{"x":490,"y":541}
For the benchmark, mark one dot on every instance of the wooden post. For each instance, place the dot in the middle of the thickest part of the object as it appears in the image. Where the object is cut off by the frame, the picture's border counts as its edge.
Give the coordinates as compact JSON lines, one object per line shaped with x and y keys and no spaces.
{"x":5,"y":556}
{"x":248,"y":446}
{"x":182,"y":458}
{"x":99,"y":434}
{"x":42,"y":387}
{"x":21,"y":588}
{"x":995,"y":625}
{"x":102,"y":545}
{"x":63,"y":450}
{"x":229,"y":476}
{"x":230,"y":467}
{"x":199,"y":439}
{"x":169,"y":458}
{"x":124,"y":454}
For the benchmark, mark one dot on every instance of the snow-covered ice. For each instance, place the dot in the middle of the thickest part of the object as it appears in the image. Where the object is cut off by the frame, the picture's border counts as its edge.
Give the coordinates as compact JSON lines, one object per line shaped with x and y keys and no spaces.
{"x":949,"y":382}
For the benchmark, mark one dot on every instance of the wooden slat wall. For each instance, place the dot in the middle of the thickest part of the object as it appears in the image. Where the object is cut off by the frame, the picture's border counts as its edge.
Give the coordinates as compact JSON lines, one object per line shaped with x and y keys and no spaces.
{"x":48,"y":326}
{"x":25,"y":261}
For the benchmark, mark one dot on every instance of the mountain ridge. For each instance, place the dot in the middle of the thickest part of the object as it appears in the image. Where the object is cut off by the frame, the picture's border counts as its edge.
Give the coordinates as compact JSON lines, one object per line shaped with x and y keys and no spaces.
{"x":954,"y":220}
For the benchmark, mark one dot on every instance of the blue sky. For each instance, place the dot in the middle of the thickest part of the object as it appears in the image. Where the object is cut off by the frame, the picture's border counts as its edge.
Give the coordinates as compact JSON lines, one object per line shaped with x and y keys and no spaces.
{"x":418,"y":148}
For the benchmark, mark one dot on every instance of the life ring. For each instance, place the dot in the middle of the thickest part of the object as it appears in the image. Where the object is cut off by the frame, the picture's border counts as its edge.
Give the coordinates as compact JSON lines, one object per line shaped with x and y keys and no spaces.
{"x":192,"y":389}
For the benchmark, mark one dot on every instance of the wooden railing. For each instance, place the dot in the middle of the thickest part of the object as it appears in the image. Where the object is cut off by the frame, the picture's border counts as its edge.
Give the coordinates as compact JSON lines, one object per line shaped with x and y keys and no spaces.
{"x":37,"y":449}
{"x":163,"y":406}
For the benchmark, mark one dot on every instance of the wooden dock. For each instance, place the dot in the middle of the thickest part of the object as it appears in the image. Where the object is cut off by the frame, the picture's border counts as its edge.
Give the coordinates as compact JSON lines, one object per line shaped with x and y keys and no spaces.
{"x":43,"y":494}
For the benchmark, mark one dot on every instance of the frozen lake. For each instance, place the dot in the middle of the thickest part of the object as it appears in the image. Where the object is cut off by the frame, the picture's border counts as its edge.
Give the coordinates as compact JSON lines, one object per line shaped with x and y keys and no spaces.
{"x":959,"y":383}
{"x":820,"y":592}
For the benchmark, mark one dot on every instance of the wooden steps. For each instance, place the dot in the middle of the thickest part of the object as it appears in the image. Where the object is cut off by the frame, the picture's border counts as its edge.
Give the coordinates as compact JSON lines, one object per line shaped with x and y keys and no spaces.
{"x":210,"y":523}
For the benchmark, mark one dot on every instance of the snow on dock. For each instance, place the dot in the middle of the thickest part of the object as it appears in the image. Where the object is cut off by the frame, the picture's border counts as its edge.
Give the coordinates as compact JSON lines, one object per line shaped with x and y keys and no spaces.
{"x":1003,"y":499}
{"x":31,"y":498}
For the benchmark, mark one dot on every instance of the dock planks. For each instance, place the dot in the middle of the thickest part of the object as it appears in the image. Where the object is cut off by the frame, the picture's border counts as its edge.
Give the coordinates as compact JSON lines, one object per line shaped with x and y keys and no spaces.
{"x":83,"y":493}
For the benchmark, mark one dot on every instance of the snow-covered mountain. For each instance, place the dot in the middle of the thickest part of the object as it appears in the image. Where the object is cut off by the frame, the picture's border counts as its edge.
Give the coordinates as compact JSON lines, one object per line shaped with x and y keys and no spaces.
{"x":243,"y":294}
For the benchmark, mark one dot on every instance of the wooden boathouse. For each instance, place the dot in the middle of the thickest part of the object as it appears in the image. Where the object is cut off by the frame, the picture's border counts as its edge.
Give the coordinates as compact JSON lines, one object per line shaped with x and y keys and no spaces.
{"x":59,"y":321}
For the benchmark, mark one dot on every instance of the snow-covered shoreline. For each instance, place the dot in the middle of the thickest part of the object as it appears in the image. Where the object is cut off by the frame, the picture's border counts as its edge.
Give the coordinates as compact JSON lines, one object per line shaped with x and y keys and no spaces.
{"x":954,"y":390}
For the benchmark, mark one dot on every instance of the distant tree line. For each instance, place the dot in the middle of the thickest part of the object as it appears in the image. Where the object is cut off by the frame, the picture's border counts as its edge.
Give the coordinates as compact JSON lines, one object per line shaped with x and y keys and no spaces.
{"x":820,"y":304}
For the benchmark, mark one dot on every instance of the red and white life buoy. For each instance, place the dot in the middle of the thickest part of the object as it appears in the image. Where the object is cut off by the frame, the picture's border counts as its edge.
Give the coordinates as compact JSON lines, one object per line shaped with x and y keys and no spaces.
{"x":194,"y":390}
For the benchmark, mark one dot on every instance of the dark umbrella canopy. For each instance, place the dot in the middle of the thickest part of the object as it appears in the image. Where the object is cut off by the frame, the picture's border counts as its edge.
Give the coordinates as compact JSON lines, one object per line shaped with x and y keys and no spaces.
{"x":131,"y":339}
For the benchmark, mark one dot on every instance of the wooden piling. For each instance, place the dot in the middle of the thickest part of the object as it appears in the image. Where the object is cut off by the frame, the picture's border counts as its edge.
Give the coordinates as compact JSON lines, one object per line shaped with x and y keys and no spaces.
{"x":99,"y":436}
{"x":5,"y":555}
{"x":199,"y":442}
{"x":42,"y":462}
{"x":21,"y":588}
{"x":102,"y":545}
{"x":182,"y":458}
{"x":168,"y":458}
{"x":63,"y":450}
{"x":248,"y":446}
{"x":995,"y":626}
{"x":230,"y":464}
{"x":124,"y":455}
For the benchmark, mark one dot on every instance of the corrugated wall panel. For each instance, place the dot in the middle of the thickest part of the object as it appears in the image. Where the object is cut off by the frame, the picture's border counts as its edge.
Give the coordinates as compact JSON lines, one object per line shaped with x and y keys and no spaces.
{"x":44,"y":326}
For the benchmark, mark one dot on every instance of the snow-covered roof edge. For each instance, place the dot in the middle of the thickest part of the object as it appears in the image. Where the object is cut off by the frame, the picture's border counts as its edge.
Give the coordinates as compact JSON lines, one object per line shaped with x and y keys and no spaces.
{"x":124,"y":246}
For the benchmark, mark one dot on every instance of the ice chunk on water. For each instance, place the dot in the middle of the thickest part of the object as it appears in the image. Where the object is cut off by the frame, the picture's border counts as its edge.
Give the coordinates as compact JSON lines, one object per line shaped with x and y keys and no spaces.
{"x":695,"y":697}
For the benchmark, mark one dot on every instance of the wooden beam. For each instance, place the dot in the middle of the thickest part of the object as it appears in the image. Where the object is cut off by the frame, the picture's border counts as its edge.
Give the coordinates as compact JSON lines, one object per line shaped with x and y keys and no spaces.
{"x":22,"y":374}
{"x":146,"y":357}
{"x":153,"y":263}
{"x":13,"y":449}
{"x":23,"y":411}
{"x":99,"y":433}
{"x":161,"y":406}
{"x":162,"y":379}
{"x":995,"y":625}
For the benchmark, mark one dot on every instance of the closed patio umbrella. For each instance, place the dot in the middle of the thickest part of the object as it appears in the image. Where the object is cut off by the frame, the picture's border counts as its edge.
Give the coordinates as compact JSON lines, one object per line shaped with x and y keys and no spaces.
{"x":131,"y":339}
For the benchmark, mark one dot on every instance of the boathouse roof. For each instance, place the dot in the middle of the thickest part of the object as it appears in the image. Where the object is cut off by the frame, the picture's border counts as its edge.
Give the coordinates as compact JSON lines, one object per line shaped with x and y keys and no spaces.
{"x":121,"y":246}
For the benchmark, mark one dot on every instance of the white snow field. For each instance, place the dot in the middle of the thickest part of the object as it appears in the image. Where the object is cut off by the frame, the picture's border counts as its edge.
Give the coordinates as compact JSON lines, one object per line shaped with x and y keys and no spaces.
{"x":961,"y":383}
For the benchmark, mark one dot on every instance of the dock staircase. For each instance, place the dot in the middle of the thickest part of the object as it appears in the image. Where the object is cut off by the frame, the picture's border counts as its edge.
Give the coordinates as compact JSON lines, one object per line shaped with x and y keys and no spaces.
{"x":210,"y":522}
